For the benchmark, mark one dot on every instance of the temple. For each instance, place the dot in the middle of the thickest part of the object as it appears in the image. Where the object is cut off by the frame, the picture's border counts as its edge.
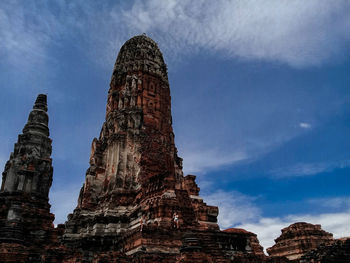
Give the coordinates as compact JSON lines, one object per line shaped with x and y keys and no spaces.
{"x":136,"y":205}
{"x":135,"y":178}
{"x":26,"y":224}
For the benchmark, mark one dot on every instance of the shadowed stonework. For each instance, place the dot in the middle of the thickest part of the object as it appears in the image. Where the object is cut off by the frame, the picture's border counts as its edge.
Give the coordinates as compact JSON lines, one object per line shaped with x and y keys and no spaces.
{"x":26,"y":224}
{"x":135,"y":204}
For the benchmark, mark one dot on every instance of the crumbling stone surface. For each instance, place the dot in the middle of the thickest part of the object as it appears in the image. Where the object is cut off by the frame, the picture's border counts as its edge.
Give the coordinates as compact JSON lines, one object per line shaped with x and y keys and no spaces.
{"x":135,"y":180}
{"x":336,"y":252}
{"x":299,"y":238}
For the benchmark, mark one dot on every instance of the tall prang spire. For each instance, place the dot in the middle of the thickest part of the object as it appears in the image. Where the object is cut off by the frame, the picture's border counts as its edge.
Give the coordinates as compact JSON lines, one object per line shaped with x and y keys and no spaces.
{"x":136,"y":144}
{"x":134,"y":168}
{"x":29,"y":168}
{"x":26,"y":181}
{"x":135,"y":198}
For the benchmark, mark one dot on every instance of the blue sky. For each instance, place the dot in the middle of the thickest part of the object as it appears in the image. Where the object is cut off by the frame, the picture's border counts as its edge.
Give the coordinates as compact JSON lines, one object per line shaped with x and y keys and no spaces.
{"x":260,"y":98}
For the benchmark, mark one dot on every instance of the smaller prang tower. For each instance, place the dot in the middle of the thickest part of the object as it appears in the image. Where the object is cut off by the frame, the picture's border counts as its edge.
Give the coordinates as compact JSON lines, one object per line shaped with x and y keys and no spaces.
{"x":25,"y":217}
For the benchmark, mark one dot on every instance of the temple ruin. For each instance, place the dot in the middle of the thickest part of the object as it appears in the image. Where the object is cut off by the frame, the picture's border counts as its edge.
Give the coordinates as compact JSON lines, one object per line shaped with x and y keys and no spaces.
{"x":135,"y":205}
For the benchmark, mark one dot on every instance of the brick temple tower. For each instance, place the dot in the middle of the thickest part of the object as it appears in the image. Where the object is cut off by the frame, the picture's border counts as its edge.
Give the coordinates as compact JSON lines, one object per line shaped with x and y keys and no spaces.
{"x":135,"y":183}
{"x":26,"y":224}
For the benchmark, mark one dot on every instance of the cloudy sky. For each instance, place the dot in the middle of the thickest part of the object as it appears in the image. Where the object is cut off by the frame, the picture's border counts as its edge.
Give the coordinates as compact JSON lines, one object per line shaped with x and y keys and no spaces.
{"x":260,"y":97}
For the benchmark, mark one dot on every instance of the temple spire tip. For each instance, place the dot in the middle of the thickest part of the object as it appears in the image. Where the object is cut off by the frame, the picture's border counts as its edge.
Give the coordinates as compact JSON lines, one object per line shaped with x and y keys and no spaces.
{"x":41,"y":102}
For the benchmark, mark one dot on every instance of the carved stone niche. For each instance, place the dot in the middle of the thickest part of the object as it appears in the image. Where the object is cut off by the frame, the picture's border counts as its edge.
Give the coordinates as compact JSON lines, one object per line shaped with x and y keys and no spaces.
{"x":151,"y":88}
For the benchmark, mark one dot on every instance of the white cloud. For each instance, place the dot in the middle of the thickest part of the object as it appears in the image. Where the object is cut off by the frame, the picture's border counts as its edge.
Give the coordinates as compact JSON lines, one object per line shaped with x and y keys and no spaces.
{"x":238,"y":210}
{"x":64,"y":201}
{"x":305,"y":125}
{"x":26,"y":32}
{"x":334,"y":203}
{"x":205,"y":160}
{"x":269,"y":229}
{"x":306,"y":169}
{"x":299,"y":33}
{"x":201,"y":155}
{"x":234,"y":207}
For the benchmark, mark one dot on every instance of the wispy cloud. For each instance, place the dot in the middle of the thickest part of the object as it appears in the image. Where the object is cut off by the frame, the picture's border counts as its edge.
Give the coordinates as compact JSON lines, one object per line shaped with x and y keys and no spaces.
{"x":202,"y":154}
{"x":305,"y":125}
{"x":307,"y":169}
{"x":203,"y":161}
{"x":25,"y":35}
{"x":295,"y":32}
{"x":298,"y":33}
{"x":31,"y":32}
{"x":335,"y":203}
{"x":234,"y":207}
